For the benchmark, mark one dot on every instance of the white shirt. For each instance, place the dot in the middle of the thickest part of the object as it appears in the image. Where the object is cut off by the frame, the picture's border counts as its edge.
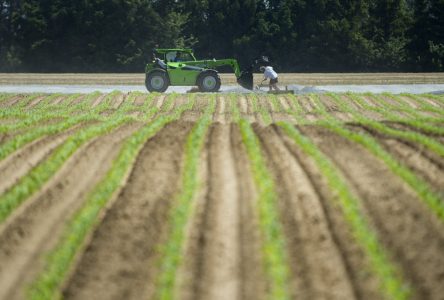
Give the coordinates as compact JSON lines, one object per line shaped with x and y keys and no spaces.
{"x":269,"y":73}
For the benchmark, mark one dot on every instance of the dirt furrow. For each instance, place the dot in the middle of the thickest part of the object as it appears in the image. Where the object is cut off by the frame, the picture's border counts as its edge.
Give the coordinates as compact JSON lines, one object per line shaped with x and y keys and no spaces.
{"x":139,"y":100}
{"x":120,"y":261}
{"x":219,"y":114}
{"x":222,"y":259}
{"x":35,"y":102}
{"x":416,"y":162}
{"x":99,"y":100}
{"x":219,"y":251}
{"x":58,"y":100}
{"x":118,"y":100}
{"x":432,"y":156}
{"x":160,"y":101}
{"x":317,"y":263}
{"x":404,"y":100}
{"x":34,"y":227}
{"x":24,"y":159}
{"x":11,"y":101}
{"x":333,"y":109}
{"x":405,"y":226}
{"x":179,"y":101}
{"x":432,"y":102}
{"x":78,"y":100}
{"x":284,"y":103}
{"x":246,"y":108}
{"x":292,"y":102}
{"x":243,"y":105}
{"x":399,"y":125}
{"x":358,"y":108}
{"x":357,"y":265}
{"x":254,"y":285}
{"x":305,"y":104}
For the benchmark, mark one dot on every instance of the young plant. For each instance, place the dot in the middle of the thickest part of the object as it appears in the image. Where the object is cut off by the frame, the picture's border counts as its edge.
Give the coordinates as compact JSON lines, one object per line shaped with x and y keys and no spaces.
{"x":172,"y":251}
{"x":273,"y":247}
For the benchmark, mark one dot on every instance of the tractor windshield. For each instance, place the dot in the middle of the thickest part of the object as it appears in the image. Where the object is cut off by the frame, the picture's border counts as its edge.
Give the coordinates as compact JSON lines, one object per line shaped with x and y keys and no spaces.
{"x":176,"y":56}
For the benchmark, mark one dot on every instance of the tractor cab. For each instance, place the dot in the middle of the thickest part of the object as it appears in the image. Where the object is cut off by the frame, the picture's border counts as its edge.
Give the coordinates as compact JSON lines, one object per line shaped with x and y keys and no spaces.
{"x":175,"y":55}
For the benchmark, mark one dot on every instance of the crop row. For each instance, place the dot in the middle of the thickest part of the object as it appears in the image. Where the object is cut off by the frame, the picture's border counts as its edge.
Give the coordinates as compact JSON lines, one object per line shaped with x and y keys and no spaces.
{"x":391,"y":281}
{"x":392,"y":284}
{"x":154,"y":118}
{"x":422,"y":188}
{"x":60,"y":259}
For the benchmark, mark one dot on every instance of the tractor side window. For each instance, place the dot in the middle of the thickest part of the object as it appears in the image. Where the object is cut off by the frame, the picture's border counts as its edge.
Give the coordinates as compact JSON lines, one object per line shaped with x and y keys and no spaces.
{"x":186,"y":57}
{"x":170,"y":56}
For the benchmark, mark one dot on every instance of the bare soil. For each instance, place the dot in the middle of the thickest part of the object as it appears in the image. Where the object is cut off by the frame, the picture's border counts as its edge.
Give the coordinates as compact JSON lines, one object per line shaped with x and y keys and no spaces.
{"x":33,"y":229}
{"x":119,"y":262}
{"x":284,"y":78}
{"x":26,"y":158}
{"x":317,"y":262}
{"x":223,"y":253}
{"x":222,"y":257}
{"x":414,"y":236}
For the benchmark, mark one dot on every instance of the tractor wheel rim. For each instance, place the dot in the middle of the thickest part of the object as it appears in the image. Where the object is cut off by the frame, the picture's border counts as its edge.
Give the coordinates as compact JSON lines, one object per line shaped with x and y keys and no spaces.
{"x":209,"y":82}
{"x":157,"y":82}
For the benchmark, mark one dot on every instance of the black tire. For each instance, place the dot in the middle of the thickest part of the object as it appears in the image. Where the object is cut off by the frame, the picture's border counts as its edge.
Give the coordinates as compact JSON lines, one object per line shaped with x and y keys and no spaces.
{"x":208,"y":81}
{"x":157,"y":81}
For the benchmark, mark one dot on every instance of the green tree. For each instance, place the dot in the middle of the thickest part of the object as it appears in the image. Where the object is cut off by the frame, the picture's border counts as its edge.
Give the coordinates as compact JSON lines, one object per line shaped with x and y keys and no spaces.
{"x":9,"y":51}
{"x":427,"y":45}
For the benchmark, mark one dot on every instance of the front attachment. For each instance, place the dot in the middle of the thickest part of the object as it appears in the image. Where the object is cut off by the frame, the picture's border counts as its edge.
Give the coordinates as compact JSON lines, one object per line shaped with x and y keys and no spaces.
{"x":245,"y":80}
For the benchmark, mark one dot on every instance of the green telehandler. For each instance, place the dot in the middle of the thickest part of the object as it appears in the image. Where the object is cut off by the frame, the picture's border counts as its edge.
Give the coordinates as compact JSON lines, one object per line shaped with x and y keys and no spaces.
{"x":179,"y":67}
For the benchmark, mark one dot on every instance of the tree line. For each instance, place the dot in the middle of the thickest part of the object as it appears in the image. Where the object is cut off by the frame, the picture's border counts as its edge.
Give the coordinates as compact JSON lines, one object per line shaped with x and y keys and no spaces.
{"x":297,"y":35}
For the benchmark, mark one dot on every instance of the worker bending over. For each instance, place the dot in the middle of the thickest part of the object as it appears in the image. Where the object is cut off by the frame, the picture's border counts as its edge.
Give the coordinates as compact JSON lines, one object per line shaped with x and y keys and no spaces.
{"x":269,"y":73}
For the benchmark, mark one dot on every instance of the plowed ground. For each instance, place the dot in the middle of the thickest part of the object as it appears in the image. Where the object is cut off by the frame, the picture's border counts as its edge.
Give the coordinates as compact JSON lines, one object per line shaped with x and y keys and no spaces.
{"x":222,"y":254}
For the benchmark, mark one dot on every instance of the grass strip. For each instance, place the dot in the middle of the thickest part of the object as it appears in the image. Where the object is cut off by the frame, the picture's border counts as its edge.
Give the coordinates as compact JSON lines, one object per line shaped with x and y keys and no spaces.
{"x":60,"y":260}
{"x":421,"y":187}
{"x":173,"y":249}
{"x":273,"y":247}
{"x":392,"y":284}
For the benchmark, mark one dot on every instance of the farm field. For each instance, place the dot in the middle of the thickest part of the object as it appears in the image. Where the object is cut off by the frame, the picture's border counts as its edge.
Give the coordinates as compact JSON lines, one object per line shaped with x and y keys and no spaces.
{"x":221,"y":196}
{"x":227,"y":79}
